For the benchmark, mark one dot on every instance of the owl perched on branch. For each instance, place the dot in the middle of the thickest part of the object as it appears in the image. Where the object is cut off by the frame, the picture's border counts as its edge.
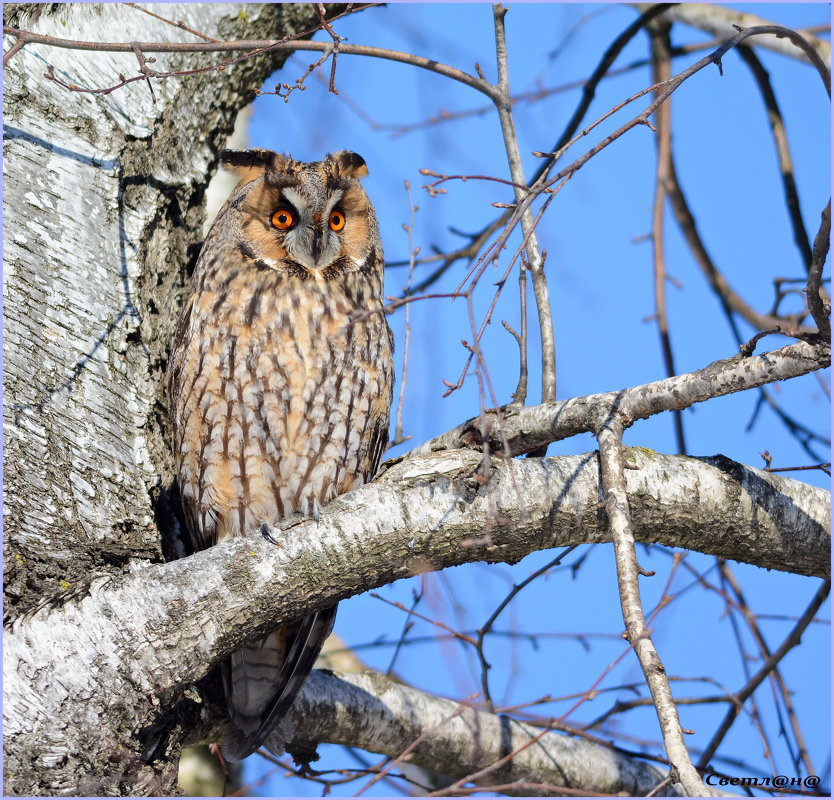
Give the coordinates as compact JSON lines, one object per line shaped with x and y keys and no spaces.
{"x":279,"y":388}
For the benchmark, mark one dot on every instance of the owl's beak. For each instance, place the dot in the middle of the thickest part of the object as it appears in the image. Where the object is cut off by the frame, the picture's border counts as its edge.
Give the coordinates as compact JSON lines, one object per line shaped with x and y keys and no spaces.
{"x":316,"y":247}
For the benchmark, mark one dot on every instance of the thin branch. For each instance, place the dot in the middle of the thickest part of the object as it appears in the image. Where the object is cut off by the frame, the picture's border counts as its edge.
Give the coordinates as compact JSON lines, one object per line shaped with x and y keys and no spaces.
{"x":783,"y":153}
{"x":661,"y":72}
{"x":426,"y":733}
{"x":17,"y":46}
{"x":753,"y":625}
{"x":733,"y":301}
{"x":530,"y":427}
{"x":177,"y":24}
{"x":540,"y":180}
{"x":672,"y":85}
{"x":590,"y":85}
{"x":814,"y":296}
{"x":612,"y":469}
{"x":791,"y":641}
{"x":251,"y":48}
{"x":545,"y":183}
{"x":414,"y":252}
{"x":520,"y":395}
{"x":486,"y":628}
{"x":534,"y":258}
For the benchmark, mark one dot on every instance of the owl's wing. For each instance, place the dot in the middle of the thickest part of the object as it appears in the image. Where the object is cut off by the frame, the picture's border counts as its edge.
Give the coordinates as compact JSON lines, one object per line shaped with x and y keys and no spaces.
{"x":263,"y":679}
{"x":201,"y":523}
{"x":378,"y":445}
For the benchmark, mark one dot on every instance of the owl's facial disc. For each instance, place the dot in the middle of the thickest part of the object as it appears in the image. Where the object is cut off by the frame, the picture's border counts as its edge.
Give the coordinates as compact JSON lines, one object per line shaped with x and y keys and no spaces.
{"x":312,"y":237}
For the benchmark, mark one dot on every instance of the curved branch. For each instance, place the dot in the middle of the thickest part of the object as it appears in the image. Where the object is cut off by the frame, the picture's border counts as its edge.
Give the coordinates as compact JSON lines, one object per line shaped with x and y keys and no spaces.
{"x":818,"y":305}
{"x":720,"y":285}
{"x":250,"y":48}
{"x":720,"y":22}
{"x":783,"y":152}
{"x":372,"y":712}
{"x":525,"y":429}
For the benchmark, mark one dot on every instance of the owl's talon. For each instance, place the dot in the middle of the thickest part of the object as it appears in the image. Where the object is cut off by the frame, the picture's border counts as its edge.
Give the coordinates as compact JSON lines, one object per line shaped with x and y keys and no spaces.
{"x":268,"y":536}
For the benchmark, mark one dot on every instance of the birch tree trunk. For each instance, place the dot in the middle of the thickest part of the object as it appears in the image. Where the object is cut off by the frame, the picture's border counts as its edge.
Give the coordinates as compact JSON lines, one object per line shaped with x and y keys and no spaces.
{"x":106,"y":642}
{"x":103,"y":204}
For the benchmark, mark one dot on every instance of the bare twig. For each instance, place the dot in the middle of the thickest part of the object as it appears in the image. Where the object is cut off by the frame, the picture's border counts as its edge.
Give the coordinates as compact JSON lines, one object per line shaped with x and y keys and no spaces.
{"x":486,"y":628}
{"x":491,"y":255}
{"x":783,"y":153}
{"x":285,"y":90}
{"x":752,"y":623}
{"x":540,"y":93}
{"x":17,"y":46}
{"x":520,"y":395}
{"x":826,"y":467}
{"x":476,"y":776}
{"x":177,"y":24}
{"x":455,"y":634}
{"x":337,"y":41}
{"x":414,"y":252}
{"x":408,"y":624}
{"x":816,"y":302}
{"x":589,"y":87}
{"x":612,"y":466}
{"x":791,"y":640}
{"x":798,"y":429}
{"x":534,"y":259}
{"x":681,"y":210}
{"x":404,"y":756}
{"x":733,"y":301}
{"x":251,"y":48}
{"x":661,"y":72}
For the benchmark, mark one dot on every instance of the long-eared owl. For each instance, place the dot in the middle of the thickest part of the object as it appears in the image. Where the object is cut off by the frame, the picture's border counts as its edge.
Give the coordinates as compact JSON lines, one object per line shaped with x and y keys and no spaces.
{"x":279,"y":388}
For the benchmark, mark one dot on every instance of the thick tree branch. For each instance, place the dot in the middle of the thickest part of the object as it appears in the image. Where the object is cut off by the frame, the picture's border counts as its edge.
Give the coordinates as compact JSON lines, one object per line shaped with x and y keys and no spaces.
{"x":135,"y":641}
{"x":372,"y":712}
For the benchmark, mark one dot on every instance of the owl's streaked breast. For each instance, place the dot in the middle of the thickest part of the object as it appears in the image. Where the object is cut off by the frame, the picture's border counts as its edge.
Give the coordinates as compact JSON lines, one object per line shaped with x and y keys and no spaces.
{"x":279,"y":386}
{"x":289,"y":384}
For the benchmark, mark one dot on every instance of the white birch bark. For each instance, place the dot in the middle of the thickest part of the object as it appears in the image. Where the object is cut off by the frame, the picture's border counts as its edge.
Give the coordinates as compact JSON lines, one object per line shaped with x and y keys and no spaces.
{"x":102,"y":200}
{"x":132,"y":643}
{"x":370,"y":711}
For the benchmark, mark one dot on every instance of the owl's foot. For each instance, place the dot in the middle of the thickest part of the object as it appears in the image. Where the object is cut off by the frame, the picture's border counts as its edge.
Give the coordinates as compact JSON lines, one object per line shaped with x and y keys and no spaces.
{"x":268,"y":536}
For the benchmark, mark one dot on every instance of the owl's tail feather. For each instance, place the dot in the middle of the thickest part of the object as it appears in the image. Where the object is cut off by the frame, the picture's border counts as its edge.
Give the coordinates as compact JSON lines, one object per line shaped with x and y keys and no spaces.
{"x":263,"y":679}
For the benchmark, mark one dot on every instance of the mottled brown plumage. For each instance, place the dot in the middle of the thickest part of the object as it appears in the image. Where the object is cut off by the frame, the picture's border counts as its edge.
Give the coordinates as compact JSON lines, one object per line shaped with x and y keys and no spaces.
{"x":279,"y":386}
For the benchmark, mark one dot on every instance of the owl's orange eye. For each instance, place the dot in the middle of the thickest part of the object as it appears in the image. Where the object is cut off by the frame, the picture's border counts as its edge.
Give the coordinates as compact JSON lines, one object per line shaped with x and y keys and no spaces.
{"x":337,"y":220}
{"x":283,"y":219}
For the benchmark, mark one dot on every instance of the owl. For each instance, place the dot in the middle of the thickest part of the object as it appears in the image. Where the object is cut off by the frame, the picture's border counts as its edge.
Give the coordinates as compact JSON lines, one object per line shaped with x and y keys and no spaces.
{"x":279,"y":388}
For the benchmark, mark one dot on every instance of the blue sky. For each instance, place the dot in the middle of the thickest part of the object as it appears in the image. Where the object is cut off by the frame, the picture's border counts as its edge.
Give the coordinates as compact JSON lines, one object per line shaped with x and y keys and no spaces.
{"x":600,"y":279}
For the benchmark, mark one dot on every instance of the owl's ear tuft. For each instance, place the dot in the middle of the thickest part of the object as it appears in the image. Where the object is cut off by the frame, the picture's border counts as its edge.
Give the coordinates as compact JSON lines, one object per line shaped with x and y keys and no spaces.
{"x":349,"y":164}
{"x":251,"y":164}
